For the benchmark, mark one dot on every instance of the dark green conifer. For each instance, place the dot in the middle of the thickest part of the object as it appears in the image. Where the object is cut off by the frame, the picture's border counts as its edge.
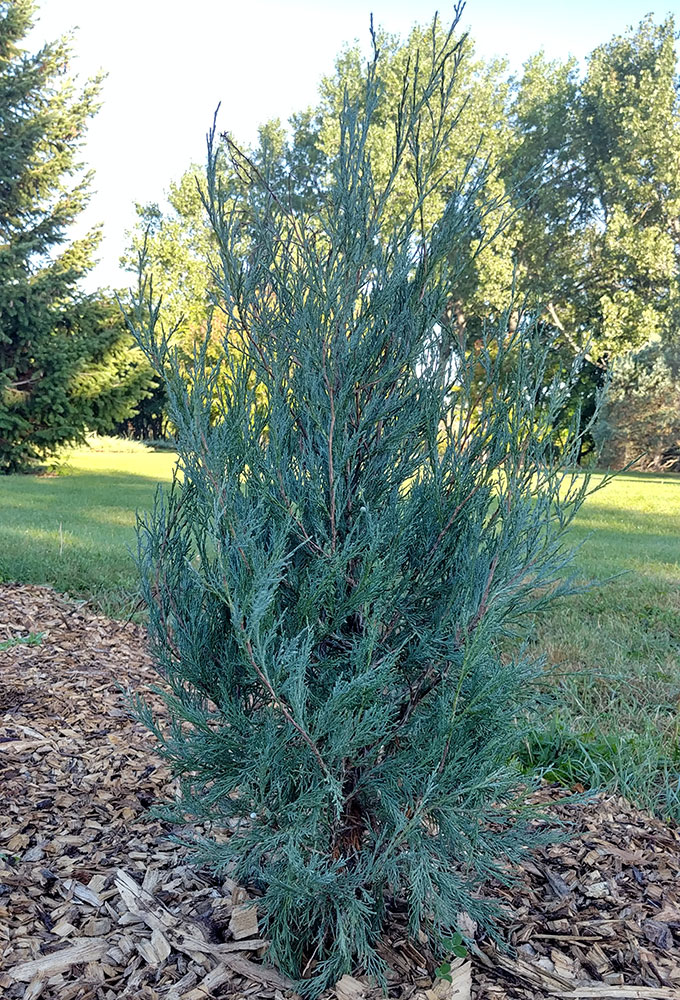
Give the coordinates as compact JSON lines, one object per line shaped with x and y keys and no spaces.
{"x":66,"y":360}
{"x":360,"y":526}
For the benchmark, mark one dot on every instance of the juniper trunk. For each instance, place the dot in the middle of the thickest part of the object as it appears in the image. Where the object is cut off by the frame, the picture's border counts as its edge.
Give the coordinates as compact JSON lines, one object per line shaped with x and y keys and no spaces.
{"x":356,"y":529}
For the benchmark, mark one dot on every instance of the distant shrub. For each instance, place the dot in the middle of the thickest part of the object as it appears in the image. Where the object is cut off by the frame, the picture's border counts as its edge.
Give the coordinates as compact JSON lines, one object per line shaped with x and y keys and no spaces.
{"x":640,"y":421}
{"x":115,"y":445}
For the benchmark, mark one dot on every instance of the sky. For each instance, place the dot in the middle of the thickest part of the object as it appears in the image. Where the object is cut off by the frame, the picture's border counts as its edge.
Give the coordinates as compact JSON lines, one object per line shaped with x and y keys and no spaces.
{"x":169,"y":63}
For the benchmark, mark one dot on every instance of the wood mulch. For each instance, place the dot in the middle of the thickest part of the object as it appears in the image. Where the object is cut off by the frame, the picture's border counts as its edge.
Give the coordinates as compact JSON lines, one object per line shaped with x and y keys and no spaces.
{"x":97,"y":903}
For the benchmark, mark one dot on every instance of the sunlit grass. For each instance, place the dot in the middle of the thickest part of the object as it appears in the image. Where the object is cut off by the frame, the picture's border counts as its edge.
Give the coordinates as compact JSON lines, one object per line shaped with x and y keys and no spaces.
{"x":75,"y":530}
{"x":613,"y":651}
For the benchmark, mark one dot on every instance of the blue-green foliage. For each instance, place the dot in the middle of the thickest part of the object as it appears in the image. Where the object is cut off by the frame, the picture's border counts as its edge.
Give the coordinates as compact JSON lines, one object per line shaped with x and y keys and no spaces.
{"x":365,"y":510}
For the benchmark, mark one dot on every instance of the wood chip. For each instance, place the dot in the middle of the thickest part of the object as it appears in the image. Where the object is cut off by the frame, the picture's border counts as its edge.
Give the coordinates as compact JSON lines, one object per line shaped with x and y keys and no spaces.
{"x":459,"y":986}
{"x":349,"y":988}
{"x":243,"y":922}
{"x":621,"y":993}
{"x":82,"y":951}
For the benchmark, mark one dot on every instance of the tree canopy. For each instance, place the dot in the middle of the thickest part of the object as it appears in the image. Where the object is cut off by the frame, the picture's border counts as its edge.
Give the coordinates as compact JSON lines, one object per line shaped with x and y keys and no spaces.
{"x":600,"y":233}
{"x":578,"y":173}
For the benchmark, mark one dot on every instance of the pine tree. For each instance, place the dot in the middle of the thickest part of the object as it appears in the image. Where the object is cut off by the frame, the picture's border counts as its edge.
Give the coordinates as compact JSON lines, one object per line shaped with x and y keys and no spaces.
{"x":640,"y":421}
{"x":357,"y":533}
{"x":53,"y":338}
{"x":113,"y":380}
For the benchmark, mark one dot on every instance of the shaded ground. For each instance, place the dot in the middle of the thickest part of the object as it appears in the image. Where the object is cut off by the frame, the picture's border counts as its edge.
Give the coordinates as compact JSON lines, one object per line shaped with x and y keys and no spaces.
{"x":96,"y":902}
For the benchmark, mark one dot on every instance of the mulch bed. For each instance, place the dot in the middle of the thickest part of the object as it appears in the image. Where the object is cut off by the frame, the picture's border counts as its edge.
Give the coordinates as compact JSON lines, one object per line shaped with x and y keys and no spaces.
{"x":97,"y":903}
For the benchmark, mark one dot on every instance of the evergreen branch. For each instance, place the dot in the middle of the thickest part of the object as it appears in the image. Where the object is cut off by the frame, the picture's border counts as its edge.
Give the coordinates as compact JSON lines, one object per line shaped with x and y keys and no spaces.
{"x":300,"y":526}
{"x":481,"y":611}
{"x":331,"y":476}
{"x":278,"y":701}
{"x":370,"y":523}
{"x":456,"y":511}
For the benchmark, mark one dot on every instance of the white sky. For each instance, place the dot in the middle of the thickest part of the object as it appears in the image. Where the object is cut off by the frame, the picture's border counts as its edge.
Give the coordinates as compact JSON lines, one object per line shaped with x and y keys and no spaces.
{"x":170,"y":63}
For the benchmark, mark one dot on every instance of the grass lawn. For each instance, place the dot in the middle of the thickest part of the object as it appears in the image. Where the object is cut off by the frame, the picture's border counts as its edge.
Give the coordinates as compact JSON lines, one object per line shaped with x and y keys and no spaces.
{"x":75,"y":530}
{"x":614,"y":650}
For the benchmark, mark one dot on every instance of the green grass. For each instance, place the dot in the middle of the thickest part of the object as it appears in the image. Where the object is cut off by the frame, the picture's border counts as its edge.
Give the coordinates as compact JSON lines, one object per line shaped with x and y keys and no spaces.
{"x":613,"y":651}
{"x":74,"y":530}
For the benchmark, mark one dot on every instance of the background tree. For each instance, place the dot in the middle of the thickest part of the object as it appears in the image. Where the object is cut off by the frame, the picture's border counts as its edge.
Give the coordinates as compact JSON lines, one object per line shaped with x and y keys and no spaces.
{"x":583,"y":194}
{"x":599,"y":231}
{"x":481,"y":137}
{"x":178,"y":246}
{"x":66,"y":360}
{"x":296,"y":164}
{"x":596,"y":176}
{"x":641,"y":418}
